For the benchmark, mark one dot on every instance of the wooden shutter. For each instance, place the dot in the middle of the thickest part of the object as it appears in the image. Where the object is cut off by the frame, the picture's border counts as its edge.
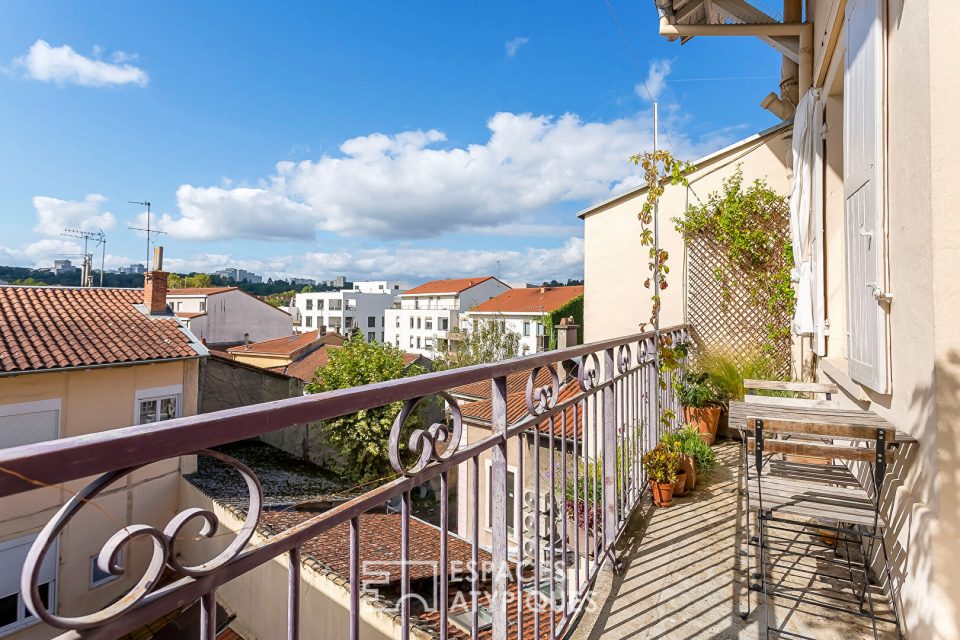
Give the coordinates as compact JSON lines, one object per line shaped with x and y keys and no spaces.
{"x":863,"y":150}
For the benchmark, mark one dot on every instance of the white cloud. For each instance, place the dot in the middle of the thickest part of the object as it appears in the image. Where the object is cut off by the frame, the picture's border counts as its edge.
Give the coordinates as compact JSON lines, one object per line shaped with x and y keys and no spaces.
{"x":513,"y":45}
{"x":414,"y":264}
{"x":656,"y":80}
{"x":54,"y":214}
{"x":409,"y":185}
{"x":63,"y":65}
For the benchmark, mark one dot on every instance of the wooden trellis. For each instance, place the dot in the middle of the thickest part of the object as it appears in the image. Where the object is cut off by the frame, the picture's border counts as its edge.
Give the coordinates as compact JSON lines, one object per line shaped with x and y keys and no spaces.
{"x":724,"y":313}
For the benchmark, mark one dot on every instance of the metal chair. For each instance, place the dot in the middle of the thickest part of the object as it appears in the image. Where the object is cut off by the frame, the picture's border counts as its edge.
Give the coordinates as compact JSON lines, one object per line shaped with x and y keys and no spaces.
{"x":787,"y":495}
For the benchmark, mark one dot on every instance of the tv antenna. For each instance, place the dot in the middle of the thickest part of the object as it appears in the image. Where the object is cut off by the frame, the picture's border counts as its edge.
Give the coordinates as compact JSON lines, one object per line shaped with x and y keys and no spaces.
{"x":86,"y":274}
{"x":152,"y":234}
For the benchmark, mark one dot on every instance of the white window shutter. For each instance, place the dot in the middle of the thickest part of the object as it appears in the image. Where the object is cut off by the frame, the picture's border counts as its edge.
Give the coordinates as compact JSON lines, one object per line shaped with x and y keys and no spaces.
{"x":816,"y":226}
{"x":18,"y":429}
{"x":863,"y":152}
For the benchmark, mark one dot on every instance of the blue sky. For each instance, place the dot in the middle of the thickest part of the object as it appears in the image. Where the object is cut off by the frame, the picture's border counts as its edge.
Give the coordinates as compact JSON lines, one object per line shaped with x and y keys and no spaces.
{"x":404,"y":140}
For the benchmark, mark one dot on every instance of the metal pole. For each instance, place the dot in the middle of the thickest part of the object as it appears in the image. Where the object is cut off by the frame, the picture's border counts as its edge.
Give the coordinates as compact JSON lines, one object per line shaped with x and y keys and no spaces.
{"x":103,"y":259}
{"x":656,"y":286}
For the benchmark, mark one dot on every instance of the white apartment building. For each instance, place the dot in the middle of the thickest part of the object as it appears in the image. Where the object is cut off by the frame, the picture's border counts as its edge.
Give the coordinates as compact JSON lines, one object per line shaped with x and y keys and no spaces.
{"x":522,"y":311}
{"x":427,"y":313}
{"x":343,"y":311}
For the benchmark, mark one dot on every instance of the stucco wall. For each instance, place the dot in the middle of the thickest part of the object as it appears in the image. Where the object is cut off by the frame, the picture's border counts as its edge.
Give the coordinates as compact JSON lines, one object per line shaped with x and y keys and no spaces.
{"x":95,"y":400}
{"x":615,"y":264}
{"x":232,"y":314}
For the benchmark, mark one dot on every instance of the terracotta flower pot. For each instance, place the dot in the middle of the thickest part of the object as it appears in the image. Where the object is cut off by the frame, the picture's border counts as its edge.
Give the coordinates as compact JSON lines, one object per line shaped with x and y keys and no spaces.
{"x":662,"y":493}
{"x":704,"y":420}
{"x":689,"y":466}
{"x":680,"y":484}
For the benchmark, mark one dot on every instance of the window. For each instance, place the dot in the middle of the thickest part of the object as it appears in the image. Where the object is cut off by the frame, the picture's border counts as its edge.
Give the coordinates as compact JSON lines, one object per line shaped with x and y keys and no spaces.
{"x":411,"y":322}
{"x":428,"y":324}
{"x":371,"y":336}
{"x":203,"y":306}
{"x":308,"y":320}
{"x":411,"y":342}
{"x":443,"y":324}
{"x":398,"y":321}
{"x":179,"y":304}
{"x":29,"y":422}
{"x":397,"y":341}
{"x":428,"y":343}
{"x":526,"y":329}
{"x":99,"y":577}
{"x":348,"y":322}
{"x":13,"y":611}
{"x":419,"y":323}
{"x":309,"y":304}
{"x":371,"y":321}
{"x":418,"y":342}
{"x":511,"y":497}
{"x":161,"y":403}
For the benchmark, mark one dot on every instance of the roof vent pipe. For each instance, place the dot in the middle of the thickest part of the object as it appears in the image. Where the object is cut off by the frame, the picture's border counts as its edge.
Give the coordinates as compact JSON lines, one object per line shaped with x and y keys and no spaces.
{"x":777,"y":107}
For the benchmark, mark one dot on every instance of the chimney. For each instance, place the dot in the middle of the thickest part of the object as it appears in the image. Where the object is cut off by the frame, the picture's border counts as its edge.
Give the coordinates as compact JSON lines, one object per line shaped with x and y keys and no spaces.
{"x":155,"y":285}
{"x":567,"y":333}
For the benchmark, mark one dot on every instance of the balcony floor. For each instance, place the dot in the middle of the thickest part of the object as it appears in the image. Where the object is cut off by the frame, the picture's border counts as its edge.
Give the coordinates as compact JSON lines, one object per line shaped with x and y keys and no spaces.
{"x":683,"y":576}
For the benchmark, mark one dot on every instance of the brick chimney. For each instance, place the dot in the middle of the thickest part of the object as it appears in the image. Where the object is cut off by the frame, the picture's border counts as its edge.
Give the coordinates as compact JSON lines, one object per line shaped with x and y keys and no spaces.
{"x":155,"y":285}
{"x":567,"y":333}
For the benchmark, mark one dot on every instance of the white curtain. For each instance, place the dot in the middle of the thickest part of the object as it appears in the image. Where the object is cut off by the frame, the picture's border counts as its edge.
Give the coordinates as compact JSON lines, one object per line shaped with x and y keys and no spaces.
{"x":801,"y":234}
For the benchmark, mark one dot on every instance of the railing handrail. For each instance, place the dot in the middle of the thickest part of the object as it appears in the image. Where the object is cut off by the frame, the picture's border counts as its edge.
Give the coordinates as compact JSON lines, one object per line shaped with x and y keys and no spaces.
{"x":45,"y":463}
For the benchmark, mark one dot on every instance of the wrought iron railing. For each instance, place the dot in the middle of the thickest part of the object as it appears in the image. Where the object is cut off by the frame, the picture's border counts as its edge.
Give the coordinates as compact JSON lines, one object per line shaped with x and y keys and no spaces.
{"x":589,"y":413}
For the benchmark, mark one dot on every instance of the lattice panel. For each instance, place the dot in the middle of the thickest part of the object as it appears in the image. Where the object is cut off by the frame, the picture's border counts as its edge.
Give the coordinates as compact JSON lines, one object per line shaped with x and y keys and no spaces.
{"x":728,"y":318}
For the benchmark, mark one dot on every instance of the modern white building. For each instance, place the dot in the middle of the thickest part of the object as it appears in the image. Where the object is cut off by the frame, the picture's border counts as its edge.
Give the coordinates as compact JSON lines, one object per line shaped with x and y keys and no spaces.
{"x":362,"y":308}
{"x":227,"y":315}
{"x":427,"y":313}
{"x":523,"y":311}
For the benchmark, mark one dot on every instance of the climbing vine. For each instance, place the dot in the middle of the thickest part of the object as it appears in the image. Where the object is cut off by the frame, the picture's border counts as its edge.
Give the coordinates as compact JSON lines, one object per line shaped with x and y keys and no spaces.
{"x":659,"y":169}
{"x":751,"y":229}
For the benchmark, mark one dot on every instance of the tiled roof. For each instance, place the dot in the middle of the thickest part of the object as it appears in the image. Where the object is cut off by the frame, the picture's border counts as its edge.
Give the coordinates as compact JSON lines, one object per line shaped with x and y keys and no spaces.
{"x":289,"y":345}
{"x":482,"y":411}
{"x":44,"y":328}
{"x":530,"y":300}
{"x":533,"y":607}
{"x":516,"y":382}
{"x":305,"y":367}
{"x":198,"y":291}
{"x":446,"y":286}
{"x":379,"y":545}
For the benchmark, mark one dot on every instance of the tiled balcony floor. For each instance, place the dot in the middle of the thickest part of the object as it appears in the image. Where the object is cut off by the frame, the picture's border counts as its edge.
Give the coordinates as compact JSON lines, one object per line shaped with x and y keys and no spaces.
{"x":684,"y":576}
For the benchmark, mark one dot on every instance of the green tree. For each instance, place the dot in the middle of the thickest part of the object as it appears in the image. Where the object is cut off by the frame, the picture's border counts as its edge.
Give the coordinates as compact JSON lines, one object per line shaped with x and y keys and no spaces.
{"x":487,"y":341}
{"x":363,"y":438}
{"x":192,"y":281}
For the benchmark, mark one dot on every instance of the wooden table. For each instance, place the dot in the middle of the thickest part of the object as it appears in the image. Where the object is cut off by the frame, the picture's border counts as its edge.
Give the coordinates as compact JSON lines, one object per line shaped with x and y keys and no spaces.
{"x":739,"y":412}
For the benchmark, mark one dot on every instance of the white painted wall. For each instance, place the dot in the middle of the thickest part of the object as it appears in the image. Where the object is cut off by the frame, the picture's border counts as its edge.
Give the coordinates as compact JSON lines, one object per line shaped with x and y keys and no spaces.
{"x":526,"y":325}
{"x":230,"y":315}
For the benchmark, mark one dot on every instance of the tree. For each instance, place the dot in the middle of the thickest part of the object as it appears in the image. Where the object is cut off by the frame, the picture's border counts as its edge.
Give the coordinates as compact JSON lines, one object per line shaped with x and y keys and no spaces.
{"x":192,"y":281}
{"x":363,"y":438}
{"x":487,"y":341}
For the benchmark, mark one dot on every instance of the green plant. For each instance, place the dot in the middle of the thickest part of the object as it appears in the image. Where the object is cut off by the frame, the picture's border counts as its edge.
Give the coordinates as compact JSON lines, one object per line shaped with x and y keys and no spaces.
{"x":688,"y":442}
{"x":727,"y":372}
{"x":695,"y":390}
{"x":572,"y":309}
{"x":751,"y":228}
{"x":489,"y":340}
{"x":362,"y":438}
{"x":659,"y":169}
{"x":661,"y":464}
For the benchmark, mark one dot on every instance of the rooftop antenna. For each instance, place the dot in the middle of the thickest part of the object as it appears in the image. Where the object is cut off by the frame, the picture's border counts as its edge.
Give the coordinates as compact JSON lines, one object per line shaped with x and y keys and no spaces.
{"x":151,"y":233}
{"x":86,"y":276}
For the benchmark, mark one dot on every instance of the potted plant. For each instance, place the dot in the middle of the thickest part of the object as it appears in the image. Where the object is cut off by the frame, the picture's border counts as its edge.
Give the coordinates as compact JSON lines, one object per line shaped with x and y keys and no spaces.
{"x":696,"y":456}
{"x":661,"y":465}
{"x":700,"y":402}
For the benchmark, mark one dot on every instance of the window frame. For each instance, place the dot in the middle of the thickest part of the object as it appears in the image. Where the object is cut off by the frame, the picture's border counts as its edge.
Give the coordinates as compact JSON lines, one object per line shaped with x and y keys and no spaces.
{"x":24,"y":618}
{"x":36,"y":406}
{"x":96,"y":584}
{"x":156,"y":394}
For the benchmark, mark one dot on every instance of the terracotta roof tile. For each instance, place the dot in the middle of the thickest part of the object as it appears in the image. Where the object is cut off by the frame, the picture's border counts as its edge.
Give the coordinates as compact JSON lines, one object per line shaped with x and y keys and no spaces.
{"x":530,"y":300}
{"x":482,"y":411}
{"x":446,"y":286}
{"x":516,"y":383}
{"x":55,"y":327}
{"x":290,"y":345}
